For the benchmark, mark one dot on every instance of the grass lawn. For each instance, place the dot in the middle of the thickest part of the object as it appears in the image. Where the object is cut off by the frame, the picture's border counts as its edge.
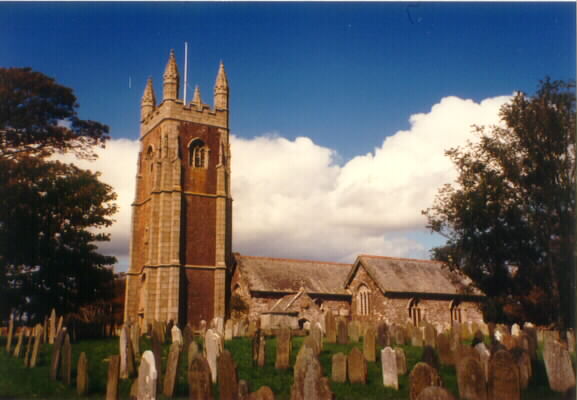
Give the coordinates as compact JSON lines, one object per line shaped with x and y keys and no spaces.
{"x":34,"y":383}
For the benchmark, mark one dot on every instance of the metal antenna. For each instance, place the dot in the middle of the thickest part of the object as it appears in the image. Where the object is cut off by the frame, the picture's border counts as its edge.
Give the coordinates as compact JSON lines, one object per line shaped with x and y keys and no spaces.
{"x":185,"y":69}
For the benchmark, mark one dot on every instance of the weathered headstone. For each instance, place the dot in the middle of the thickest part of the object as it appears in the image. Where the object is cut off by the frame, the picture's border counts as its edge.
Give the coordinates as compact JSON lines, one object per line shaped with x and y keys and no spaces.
{"x":369,"y":344}
{"x":213,"y":348}
{"x":227,"y":377}
{"x":36,"y":347}
{"x":342,"y":333}
{"x":471,"y":379}
{"x":430,"y":336}
{"x":317,"y":334}
{"x":416,"y":337}
{"x":171,"y":368}
{"x":401,"y":361}
{"x":263,"y":393}
{"x":354,"y":331}
{"x":113,"y":375}
{"x":199,"y":379}
{"x":558,"y":366}
{"x":515,"y":329}
{"x":283,"y":349}
{"x":187,"y":337}
{"x":339,"y":368}
{"x":176,"y":335}
{"x":261,"y":356}
{"x":82,"y":375}
{"x":202,"y":326}
{"x":147,"y":377}
{"x":422,"y":376}
{"x":66,"y":363}
{"x":444,"y":349}
{"x":308,"y":382}
{"x":429,"y":356}
{"x":56,"y":354}
{"x":435,"y":393}
{"x":484,"y":356}
{"x":357,"y":366}
{"x":28,"y":353}
{"x":123,"y":345}
{"x":157,"y":341}
{"x":383,"y":335}
{"x":503,"y":381}
{"x":52,"y":331}
{"x":18,"y":347}
{"x":192,"y":352}
{"x":60,"y":324}
{"x":243,"y":391}
{"x":521,"y":357}
{"x":389,"y":368}
{"x":10,"y":335}
{"x":134,"y":330}
{"x":330,"y":327}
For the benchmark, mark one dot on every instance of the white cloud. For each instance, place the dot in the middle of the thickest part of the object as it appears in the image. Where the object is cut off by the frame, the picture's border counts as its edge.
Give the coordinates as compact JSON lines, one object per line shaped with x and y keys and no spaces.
{"x":292,"y":199}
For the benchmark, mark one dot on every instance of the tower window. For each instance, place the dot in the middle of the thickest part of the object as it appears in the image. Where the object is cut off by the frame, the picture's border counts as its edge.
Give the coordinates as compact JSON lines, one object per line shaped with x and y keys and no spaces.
{"x":363,"y":300}
{"x":197,"y":154}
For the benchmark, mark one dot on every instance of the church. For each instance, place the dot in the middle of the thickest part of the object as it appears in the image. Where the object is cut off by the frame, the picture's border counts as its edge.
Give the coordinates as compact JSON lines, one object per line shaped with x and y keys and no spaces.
{"x":182,"y":264}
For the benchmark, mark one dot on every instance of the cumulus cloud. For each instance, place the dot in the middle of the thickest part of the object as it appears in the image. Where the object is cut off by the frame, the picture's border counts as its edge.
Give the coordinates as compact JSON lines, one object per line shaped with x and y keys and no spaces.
{"x":292,"y":198}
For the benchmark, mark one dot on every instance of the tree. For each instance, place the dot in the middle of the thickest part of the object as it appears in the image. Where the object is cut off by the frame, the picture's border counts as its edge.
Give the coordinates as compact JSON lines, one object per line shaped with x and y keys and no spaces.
{"x":38,"y":117}
{"x":509,"y":218}
{"x":50,"y":212}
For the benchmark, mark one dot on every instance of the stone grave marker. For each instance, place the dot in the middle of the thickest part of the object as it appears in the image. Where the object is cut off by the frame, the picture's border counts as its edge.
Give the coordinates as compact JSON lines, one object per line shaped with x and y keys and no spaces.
{"x":147,"y":377}
{"x":401,"y":361}
{"x":243,"y":391}
{"x":134,"y":330}
{"x":435,"y":393}
{"x":400,"y":338}
{"x":342,"y":333}
{"x":60,"y":324}
{"x":199,"y":379}
{"x":429,"y":356}
{"x":228,"y":334}
{"x":187,"y":337}
{"x":123,"y":340}
{"x":10,"y":335}
{"x":36,"y":347}
{"x":192,"y":352}
{"x":213,"y":348}
{"x":444,"y":348}
{"x":308,"y":382}
{"x":515,"y":329}
{"x":383,"y":335}
{"x":558,"y":366}
{"x":521,"y":357}
{"x":157,"y":342}
{"x":29,"y":340}
{"x":82,"y":375}
{"x":416,"y":337}
{"x":202,"y":326}
{"x":484,"y":356}
{"x":357,"y":366}
{"x":331,"y":327}
{"x":55,"y":356}
{"x":283,"y":349}
{"x":113,"y":375}
{"x":227,"y":377}
{"x":176,"y":335}
{"x":18,"y":347}
{"x":389,"y":368}
{"x":171,"y":368}
{"x":471,"y":379}
{"x":261,"y":355}
{"x":354,"y":331}
{"x":52,"y":332}
{"x":263,"y":393}
{"x":422,"y":376}
{"x":66,"y":363}
{"x":430,"y":336}
{"x":503,"y":381}
{"x":369,"y":344}
{"x":339,"y":368}
{"x":317,"y":334}
{"x":312,"y":343}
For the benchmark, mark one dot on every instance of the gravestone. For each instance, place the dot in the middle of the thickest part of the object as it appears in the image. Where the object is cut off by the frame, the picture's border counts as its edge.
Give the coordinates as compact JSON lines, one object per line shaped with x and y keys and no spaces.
{"x":18,"y":347}
{"x":217,"y":324}
{"x":171,"y":368}
{"x":435,"y":393}
{"x":471,"y":380}
{"x":212,"y":348}
{"x":176,"y":335}
{"x":400,"y":337}
{"x":430,"y":336}
{"x":342,"y":333}
{"x":243,"y":391}
{"x":429,"y":356}
{"x":192,"y":352}
{"x":515,"y":330}
{"x":308,"y":382}
{"x":339,"y":368}
{"x":134,"y":330}
{"x":357,"y":366}
{"x":228,"y":334}
{"x":199,"y":379}
{"x":422,"y":376}
{"x":416,"y":337}
{"x":147,"y":377}
{"x":66,"y":363}
{"x":283,"y":349}
{"x":187,"y":337}
{"x":124,"y":340}
{"x":389,"y":368}
{"x":523,"y":362}
{"x":56,"y":354}
{"x":369,"y":344}
{"x":383,"y":338}
{"x":444,"y":349}
{"x":82,"y":375}
{"x":312,"y":343}
{"x":558,"y":366}
{"x":330,"y":327}
{"x":29,"y":341}
{"x":157,"y":342}
{"x":36,"y":347}
{"x":52,"y":332}
{"x":263,"y":393}
{"x":503,"y":381}
{"x":354,"y":331}
{"x":227,"y":377}
{"x":10,"y":335}
{"x":112,"y":378}
{"x":261,"y":355}
{"x":317,"y":334}
{"x":401,"y":361}
{"x":484,"y":356}
{"x":202,"y":326}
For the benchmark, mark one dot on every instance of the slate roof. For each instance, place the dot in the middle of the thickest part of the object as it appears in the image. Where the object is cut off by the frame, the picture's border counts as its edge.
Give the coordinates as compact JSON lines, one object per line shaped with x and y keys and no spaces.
{"x":403,"y":275}
{"x":265,"y":274}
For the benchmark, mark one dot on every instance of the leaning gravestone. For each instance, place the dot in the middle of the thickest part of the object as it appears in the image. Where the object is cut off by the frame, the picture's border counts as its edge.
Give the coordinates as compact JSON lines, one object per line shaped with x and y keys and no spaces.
{"x":227,"y":377}
{"x":213,"y":348}
{"x":435,"y":393}
{"x":422,"y":376}
{"x":82,"y":375}
{"x":147,"y":377}
{"x":171,"y":368}
{"x":339,"y":368}
{"x":66,"y":363}
{"x":330,"y":327}
{"x":471,"y":380}
{"x":558,"y":366}
{"x":113,"y":375}
{"x":18,"y":348}
{"x":357,"y":366}
{"x":199,"y":379}
{"x":10,"y":335}
{"x":342,"y":333}
{"x":401,"y":361}
{"x":503,"y":377}
{"x":28,"y":347}
{"x":36,"y":347}
{"x":308,"y":382}
{"x":369,"y":344}
{"x":389,"y":368}
{"x":56,"y":354}
{"x":283,"y":349}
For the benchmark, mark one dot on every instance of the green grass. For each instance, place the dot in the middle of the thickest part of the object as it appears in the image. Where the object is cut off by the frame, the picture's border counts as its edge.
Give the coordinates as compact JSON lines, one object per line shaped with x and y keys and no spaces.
{"x":34,"y":383}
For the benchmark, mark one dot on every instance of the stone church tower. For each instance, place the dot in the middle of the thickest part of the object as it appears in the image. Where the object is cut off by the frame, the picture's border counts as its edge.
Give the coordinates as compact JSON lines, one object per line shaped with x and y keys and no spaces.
{"x":182,"y":212}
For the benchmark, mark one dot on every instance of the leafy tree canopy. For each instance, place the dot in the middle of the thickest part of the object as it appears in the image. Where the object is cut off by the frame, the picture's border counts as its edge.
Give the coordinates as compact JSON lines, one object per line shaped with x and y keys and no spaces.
{"x":509,"y":219}
{"x":38,"y":117}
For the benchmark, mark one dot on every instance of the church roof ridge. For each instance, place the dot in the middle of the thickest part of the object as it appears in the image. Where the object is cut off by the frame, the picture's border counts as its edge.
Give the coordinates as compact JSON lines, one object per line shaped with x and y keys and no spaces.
{"x":400,"y":258}
{"x":294,"y":260}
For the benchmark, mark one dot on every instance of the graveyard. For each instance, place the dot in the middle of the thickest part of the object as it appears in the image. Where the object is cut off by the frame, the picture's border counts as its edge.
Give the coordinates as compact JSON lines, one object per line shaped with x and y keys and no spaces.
{"x":237,"y":360}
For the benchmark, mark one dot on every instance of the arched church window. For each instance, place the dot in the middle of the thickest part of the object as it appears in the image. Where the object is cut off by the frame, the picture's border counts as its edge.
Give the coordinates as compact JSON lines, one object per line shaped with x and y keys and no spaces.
{"x":150,"y":156}
{"x":456,"y":311}
{"x":415,"y":312}
{"x":363,"y":300}
{"x":197,"y":154}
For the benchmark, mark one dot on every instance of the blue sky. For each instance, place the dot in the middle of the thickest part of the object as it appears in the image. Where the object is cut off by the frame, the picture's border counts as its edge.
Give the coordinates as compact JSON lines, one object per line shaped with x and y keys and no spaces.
{"x":346,"y":76}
